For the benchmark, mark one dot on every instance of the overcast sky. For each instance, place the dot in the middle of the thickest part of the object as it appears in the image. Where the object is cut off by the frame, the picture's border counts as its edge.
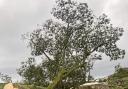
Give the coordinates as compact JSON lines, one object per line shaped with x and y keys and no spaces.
{"x":21,"y":16}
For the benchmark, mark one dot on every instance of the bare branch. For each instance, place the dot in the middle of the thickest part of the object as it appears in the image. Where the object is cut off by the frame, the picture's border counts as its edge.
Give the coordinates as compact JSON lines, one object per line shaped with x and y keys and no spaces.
{"x":47,"y":56}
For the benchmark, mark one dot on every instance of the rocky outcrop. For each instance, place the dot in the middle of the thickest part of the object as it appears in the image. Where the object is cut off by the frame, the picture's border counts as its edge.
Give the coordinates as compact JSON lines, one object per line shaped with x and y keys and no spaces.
{"x":9,"y":86}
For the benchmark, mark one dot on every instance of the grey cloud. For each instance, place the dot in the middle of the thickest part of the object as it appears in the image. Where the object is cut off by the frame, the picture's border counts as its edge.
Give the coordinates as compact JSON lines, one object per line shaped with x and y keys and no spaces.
{"x":106,"y":67}
{"x":118,"y":12}
{"x":18,"y":17}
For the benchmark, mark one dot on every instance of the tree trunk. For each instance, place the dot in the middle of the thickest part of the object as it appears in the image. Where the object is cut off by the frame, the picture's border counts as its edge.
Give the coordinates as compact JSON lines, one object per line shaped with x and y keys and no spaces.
{"x":57,"y":79}
{"x":62,"y":74}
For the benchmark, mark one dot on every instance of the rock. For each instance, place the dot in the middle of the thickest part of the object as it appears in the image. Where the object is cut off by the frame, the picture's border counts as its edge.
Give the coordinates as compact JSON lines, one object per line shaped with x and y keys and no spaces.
{"x":9,"y":86}
{"x":15,"y":88}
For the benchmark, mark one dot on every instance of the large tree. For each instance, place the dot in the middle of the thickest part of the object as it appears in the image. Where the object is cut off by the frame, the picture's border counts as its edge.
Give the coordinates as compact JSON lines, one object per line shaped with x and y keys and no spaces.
{"x":73,"y":37}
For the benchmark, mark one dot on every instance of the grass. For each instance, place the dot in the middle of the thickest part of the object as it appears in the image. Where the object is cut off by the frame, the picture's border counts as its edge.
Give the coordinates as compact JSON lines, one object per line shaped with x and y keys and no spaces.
{"x":119,"y":80}
{"x":2,"y":85}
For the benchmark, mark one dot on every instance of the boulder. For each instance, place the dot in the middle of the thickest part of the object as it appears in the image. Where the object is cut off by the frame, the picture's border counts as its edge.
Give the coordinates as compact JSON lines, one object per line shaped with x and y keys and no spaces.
{"x":9,"y":86}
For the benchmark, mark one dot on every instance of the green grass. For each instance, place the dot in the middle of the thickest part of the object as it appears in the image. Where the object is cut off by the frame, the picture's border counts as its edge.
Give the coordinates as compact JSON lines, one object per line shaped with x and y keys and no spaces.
{"x":1,"y":85}
{"x":23,"y":86}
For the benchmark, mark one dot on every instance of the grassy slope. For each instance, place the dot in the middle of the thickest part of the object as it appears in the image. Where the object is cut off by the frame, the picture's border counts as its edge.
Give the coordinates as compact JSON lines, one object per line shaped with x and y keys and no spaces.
{"x":115,"y":79}
{"x":1,"y":85}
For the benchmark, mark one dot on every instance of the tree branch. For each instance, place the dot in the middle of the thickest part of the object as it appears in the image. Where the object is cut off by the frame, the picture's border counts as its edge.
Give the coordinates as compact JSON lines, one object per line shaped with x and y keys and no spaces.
{"x":100,"y":45}
{"x":47,"y":56}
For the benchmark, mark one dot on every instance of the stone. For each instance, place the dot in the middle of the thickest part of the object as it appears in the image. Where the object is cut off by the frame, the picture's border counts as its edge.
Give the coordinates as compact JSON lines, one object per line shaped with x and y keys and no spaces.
{"x":8,"y":86}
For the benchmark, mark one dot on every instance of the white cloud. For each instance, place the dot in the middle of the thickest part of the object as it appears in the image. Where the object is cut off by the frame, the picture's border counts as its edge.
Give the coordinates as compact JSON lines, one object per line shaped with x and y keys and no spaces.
{"x":2,"y":3}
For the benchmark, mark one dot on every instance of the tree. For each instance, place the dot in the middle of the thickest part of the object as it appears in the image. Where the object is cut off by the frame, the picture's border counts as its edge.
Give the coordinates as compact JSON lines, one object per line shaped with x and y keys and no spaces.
{"x":117,"y":67}
{"x":28,"y":70}
{"x":41,"y":74}
{"x":72,"y":38}
{"x":5,"y":78}
{"x":33,"y":73}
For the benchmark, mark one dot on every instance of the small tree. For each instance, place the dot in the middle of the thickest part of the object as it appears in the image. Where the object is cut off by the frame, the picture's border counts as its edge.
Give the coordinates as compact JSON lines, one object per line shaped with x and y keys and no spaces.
{"x":117,"y":68}
{"x":32,"y":73}
{"x":5,"y":78}
{"x":74,"y":37}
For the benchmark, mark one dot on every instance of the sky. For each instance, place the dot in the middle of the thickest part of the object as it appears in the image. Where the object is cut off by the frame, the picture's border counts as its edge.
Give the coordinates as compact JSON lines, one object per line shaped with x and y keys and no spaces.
{"x":18,"y":17}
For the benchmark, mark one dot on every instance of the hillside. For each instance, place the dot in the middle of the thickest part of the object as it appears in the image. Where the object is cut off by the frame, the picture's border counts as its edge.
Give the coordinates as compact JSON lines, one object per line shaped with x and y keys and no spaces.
{"x":119,"y":80}
{"x":1,"y":85}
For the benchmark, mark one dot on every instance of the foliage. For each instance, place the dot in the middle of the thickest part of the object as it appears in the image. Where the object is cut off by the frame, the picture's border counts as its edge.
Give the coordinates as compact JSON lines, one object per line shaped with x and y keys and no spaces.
{"x":69,"y":41}
{"x":31,"y":73}
{"x":5,"y":78}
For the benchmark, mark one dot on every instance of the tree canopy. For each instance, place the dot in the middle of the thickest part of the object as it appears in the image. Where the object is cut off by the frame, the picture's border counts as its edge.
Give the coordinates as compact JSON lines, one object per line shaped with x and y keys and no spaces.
{"x":72,"y":38}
